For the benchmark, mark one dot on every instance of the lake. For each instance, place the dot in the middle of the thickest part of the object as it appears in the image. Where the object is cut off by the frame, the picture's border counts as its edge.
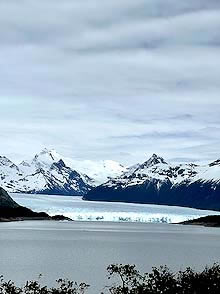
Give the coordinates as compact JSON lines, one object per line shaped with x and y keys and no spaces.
{"x":82,"y":250}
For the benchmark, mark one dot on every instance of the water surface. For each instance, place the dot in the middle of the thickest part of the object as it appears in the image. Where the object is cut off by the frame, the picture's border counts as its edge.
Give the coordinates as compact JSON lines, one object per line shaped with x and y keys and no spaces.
{"x":82,"y":250}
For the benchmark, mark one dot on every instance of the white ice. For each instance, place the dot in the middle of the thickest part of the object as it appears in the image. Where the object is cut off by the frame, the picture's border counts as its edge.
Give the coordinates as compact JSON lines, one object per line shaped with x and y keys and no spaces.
{"x":78,"y":209}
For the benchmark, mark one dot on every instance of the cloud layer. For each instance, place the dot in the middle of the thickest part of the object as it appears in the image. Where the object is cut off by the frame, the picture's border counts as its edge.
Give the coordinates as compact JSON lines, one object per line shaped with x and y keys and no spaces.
{"x":110,"y":79}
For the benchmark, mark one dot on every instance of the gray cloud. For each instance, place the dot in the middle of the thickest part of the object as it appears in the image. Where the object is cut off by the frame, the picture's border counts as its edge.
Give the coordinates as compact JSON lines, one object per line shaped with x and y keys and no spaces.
{"x":110,"y":79}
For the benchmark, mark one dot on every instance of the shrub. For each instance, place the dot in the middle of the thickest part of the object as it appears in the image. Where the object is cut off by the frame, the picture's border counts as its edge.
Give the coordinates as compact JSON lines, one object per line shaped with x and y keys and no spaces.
{"x":130,"y":281}
{"x":64,"y":286}
{"x":163,"y":281}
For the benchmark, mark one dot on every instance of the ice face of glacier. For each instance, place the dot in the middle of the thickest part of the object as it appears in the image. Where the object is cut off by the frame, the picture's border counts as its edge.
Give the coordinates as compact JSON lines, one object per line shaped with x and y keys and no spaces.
{"x":77,"y":209}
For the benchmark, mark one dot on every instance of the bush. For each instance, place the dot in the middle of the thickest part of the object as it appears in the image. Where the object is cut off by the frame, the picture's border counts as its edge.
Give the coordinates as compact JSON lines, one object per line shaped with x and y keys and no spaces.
{"x":130,"y":281}
{"x":34,"y":287}
{"x":163,"y":281}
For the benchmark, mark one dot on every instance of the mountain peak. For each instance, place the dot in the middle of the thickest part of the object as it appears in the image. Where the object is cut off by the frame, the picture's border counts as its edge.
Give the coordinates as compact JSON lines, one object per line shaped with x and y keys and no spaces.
{"x":5,"y":161}
{"x":47,"y":156}
{"x":155,"y":156}
{"x":154,"y":159}
{"x":51,"y":152}
{"x":24,"y":163}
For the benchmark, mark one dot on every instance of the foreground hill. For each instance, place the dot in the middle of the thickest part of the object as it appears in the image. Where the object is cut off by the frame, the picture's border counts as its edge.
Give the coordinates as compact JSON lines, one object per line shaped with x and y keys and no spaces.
{"x":10,"y":210}
{"x":207,"y":221}
{"x":6,"y":201}
{"x":157,"y":182}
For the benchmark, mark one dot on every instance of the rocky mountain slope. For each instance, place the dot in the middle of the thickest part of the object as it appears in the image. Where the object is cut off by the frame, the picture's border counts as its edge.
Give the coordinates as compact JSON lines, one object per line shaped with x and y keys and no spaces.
{"x":6,"y":200}
{"x":50,"y":173}
{"x":41,"y":175}
{"x":93,"y":172}
{"x":157,"y":182}
{"x":11,"y":211}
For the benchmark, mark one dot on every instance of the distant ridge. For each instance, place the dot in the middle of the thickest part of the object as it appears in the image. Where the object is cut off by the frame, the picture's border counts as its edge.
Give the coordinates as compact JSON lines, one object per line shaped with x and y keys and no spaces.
{"x":157,"y":182}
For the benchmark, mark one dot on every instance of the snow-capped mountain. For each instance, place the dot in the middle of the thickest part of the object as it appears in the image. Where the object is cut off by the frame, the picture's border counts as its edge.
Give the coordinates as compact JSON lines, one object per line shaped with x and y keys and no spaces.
{"x":157,"y":182}
{"x":43,"y":174}
{"x":93,"y":172}
{"x":99,"y":171}
{"x":51,"y":173}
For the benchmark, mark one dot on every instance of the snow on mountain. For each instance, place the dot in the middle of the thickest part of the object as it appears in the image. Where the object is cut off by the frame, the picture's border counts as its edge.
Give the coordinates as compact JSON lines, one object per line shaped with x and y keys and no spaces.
{"x":49,"y":172}
{"x":9,"y":173}
{"x":46,"y":174}
{"x":93,"y":172}
{"x":45,"y":158}
{"x":155,"y":168}
{"x":152,"y":161}
{"x":156,"y":181}
{"x":42,"y":160}
{"x":98,"y":171}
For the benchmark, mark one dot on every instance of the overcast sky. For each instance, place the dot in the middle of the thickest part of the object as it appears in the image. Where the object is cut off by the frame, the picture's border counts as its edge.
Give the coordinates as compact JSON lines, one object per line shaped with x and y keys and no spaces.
{"x":118,"y":79}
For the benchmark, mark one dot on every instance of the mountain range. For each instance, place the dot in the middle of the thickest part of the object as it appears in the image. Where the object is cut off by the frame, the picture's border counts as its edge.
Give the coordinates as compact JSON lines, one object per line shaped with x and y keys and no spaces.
{"x":154,"y":181}
{"x":51,"y":173}
{"x":157,"y":182}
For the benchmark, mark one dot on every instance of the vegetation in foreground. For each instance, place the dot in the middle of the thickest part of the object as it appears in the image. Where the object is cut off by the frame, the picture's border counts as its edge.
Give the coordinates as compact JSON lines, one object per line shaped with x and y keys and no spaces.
{"x":128,"y":280}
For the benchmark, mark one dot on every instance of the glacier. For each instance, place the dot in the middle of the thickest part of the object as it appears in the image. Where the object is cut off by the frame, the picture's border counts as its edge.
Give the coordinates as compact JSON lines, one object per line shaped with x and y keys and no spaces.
{"x":81,"y":210}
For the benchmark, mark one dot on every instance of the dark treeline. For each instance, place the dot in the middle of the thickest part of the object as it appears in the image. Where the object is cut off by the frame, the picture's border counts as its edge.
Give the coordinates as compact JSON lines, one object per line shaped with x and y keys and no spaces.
{"x":128,"y":280}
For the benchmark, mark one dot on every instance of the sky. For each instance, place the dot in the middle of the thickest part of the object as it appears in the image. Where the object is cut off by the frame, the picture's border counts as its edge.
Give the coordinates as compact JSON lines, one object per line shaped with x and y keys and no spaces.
{"x":119,"y":79}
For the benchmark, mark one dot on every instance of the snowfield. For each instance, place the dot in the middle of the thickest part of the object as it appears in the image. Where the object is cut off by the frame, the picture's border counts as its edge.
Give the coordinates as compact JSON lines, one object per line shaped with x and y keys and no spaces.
{"x":80,"y":210}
